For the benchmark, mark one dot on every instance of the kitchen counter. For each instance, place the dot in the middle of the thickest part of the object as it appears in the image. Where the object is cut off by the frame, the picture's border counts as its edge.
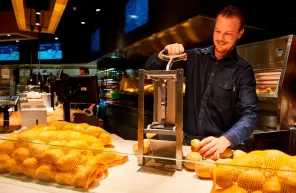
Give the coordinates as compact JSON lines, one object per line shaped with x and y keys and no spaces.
{"x":124,"y":178}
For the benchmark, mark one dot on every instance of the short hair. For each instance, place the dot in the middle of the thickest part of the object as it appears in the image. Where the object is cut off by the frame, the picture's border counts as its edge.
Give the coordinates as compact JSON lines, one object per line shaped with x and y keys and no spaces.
{"x":86,"y":71}
{"x":233,"y":11}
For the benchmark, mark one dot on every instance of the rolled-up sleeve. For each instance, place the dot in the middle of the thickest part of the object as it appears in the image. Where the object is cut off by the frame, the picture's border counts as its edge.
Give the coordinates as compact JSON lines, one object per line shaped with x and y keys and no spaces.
{"x":247,"y":96}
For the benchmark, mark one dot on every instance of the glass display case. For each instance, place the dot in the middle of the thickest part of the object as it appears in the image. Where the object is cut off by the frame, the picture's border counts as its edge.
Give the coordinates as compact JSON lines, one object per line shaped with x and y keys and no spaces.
{"x":23,"y":89}
{"x":67,"y":157}
{"x":7,"y":87}
{"x":109,"y":82}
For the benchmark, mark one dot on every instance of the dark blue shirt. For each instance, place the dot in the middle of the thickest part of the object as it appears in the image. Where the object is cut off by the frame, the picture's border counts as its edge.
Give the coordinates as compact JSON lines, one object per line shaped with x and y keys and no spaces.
{"x":213,"y":89}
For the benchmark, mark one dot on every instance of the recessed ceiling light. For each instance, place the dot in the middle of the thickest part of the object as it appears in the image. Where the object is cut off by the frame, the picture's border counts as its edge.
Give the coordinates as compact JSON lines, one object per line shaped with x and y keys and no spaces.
{"x":8,"y":34}
{"x":37,"y":23}
{"x":16,"y":41}
{"x":98,"y":9}
{"x":56,"y":38}
{"x":38,"y":13}
{"x":134,"y":16}
{"x":82,"y":22}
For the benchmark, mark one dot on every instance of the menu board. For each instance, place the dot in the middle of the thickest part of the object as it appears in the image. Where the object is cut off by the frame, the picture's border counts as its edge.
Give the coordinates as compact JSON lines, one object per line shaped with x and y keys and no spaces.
{"x":136,"y":14}
{"x":9,"y":52}
{"x":50,"y":51}
{"x":95,"y":40}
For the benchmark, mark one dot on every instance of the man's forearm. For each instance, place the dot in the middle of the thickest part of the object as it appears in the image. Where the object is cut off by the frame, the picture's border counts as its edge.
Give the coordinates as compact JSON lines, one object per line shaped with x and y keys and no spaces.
{"x":92,"y":106}
{"x":155,"y":63}
{"x":160,"y":54}
{"x":241,"y":130}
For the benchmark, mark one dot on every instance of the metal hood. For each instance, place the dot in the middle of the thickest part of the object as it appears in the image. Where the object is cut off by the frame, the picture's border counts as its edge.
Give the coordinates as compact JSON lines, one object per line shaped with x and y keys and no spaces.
{"x":194,"y":32}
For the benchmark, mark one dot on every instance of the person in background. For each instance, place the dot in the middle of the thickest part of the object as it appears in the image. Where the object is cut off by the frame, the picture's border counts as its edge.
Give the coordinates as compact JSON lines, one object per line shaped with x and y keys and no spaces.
{"x":216,"y":79}
{"x":82,"y":72}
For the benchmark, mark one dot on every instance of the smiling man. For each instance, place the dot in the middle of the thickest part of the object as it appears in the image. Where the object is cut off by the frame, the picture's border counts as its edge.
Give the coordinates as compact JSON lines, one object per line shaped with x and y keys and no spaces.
{"x":216,"y":79}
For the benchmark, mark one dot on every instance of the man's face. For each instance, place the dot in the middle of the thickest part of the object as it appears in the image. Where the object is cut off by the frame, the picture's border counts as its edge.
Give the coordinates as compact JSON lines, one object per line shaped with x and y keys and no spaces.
{"x":226,"y":34}
{"x":81,"y":73}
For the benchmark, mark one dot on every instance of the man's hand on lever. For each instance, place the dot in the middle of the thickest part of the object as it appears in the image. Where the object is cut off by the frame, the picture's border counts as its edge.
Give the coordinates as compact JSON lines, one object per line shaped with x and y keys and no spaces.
{"x":172,"y":49}
{"x":211,"y":147}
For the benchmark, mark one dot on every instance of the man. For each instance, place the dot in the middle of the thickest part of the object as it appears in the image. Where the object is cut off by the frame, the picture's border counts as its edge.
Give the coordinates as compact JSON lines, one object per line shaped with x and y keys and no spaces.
{"x":216,"y":79}
{"x":82,"y":72}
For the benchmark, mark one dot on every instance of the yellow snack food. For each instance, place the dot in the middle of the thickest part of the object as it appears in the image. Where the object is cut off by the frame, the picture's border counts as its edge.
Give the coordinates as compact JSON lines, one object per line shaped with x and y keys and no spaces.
{"x":3,"y":159}
{"x":6,"y":147}
{"x":268,"y":171}
{"x":147,"y":148}
{"x":271,"y":186}
{"x":36,"y":148}
{"x":14,"y":167}
{"x":204,"y":168}
{"x":251,"y":180}
{"x":195,"y":145}
{"x":235,"y":189}
{"x":227,"y":153}
{"x":59,"y":125}
{"x":45,"y":173}
{"x":94,"y":131}
{"x":50,"y":153}
{"x":238,"y":153}
{"x":222,"y":161}
{"x":21,"y":154}
{"x":192,"y":156}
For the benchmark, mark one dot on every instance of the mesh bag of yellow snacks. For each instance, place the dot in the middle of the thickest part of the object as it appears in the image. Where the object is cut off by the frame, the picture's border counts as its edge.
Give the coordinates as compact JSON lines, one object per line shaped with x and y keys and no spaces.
{"x":268,"y":171}
{"x":54,"y":154}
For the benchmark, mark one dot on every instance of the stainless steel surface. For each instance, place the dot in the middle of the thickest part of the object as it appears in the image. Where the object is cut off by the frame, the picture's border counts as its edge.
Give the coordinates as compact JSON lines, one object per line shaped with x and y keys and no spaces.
{"x":274,"y":65}
{"x":194,"y":32}
{"x":179,"y":118}
{"x":163,"y":149}
{"x":141,"y":159}
{"x":170,"y":120}
{"x":157,"y":168}
{"x":160,"y":131}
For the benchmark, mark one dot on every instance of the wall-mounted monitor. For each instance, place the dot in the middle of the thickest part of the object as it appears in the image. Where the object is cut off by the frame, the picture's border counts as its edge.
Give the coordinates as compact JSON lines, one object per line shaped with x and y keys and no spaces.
{"x":9,"y":52}
{"x":95,"y":41}
{"x":50,"y":51}
{"x":136,"y":14}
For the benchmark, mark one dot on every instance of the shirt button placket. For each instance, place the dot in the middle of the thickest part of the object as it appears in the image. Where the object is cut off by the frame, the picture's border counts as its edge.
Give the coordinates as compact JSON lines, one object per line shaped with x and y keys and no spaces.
{"x":205,"y":98}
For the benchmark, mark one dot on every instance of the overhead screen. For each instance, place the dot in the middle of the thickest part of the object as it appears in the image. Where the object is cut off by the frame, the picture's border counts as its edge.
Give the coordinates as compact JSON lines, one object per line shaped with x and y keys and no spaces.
{"x":50,"y":51}
{"x":136,"y":14}
{"x":9,"y":52}
{"x":95,"y":40}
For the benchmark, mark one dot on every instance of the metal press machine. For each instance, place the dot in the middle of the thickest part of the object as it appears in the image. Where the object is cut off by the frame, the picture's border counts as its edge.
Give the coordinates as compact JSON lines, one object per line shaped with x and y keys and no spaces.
{"x":167,"y":114}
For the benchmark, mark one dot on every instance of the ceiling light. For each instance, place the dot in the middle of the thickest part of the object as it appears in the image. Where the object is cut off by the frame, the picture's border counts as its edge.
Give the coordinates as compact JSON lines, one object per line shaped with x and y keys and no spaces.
{"x":56,"y":38}
{"x":98,"y":10}
{"x":37,"y":23}
{"x":16,"y":41}
{"x":38,"y":13}
{"x":82,"y":22}
{"x":8,"y":34}
{"x":134,"y":16}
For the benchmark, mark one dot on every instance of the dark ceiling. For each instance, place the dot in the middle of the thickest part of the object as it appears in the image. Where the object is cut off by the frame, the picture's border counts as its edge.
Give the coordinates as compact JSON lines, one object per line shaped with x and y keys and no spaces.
{"x":85,"y":10}
{"x":278,"y":17}
{"x":5,"y":5}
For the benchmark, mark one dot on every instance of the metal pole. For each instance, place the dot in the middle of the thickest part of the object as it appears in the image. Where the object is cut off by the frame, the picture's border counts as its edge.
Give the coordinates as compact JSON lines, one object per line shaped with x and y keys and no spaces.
{"x":141,"y":118}
{"x":179,"y":119}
